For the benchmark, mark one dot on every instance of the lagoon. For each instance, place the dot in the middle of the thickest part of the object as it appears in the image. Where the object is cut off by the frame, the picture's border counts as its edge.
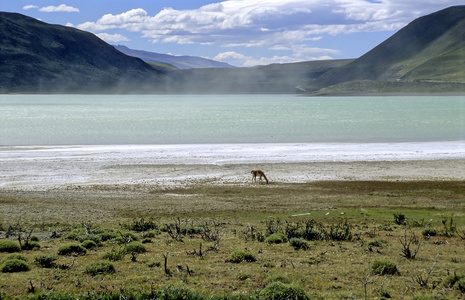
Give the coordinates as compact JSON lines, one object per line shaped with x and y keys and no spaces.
{"x":29,"y":120}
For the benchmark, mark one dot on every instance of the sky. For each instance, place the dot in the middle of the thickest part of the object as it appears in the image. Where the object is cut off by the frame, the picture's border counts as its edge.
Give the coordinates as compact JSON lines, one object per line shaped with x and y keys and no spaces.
{"x":243,"y":33}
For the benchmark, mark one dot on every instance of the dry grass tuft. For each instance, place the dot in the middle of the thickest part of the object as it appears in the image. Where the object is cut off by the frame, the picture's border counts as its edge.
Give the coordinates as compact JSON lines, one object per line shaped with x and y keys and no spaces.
{"x":215,"y":221}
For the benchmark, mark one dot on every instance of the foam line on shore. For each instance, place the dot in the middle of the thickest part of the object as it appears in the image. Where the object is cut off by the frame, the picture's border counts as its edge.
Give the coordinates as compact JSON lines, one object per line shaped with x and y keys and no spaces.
{"x":245,"y":153}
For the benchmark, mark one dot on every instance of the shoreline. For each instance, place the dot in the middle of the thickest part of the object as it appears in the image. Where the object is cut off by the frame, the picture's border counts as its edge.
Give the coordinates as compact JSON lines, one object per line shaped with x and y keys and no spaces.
{"x":116,"y":166}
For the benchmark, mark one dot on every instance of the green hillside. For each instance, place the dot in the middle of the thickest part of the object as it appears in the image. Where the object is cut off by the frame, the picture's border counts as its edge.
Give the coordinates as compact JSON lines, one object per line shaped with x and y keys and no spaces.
{"x":431,"y":48}
{"x":372,"y":87}
{"x":39,"y":57}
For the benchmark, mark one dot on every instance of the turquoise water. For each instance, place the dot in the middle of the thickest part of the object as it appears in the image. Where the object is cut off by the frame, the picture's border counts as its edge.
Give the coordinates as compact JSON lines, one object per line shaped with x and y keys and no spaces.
{"x":213,"y":119}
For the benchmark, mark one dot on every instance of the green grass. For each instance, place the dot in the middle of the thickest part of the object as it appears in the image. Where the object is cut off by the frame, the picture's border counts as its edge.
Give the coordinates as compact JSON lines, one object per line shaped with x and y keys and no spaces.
{"x":329,"y":269}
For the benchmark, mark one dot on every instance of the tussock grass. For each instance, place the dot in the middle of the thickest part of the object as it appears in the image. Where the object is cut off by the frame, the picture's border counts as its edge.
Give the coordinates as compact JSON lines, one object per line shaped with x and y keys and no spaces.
{"x":329,"y":269}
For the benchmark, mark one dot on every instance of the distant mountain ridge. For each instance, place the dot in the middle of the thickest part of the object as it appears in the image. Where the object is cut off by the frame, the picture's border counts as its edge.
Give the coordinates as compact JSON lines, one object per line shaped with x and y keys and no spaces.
{"x":270,"y":79}
{"x":180,"y":62}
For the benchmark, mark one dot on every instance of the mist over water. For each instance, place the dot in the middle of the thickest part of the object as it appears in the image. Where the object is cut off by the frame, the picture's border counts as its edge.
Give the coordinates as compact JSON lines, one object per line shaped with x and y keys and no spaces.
{"x":216,"y":119}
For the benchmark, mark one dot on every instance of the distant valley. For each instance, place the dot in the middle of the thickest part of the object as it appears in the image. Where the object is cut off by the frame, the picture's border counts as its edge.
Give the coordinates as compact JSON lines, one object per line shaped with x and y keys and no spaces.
{"x":426,"y":56}
{"x":180,"y":62}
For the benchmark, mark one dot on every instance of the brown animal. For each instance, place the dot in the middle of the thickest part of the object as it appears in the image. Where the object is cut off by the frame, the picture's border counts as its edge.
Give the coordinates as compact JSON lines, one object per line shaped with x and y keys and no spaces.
{"x":260,"y":173}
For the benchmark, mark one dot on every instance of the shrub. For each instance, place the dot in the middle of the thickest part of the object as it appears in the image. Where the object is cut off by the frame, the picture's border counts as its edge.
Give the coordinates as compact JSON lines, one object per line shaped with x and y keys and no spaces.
{"x":114,"y":255}
{"x":385,"y":294}
{"x":276,"y":238}
{"x":97,"y":239}
{"x":72,"y":236}
{"x":46,"y":261}
{"x":299,"y":243}
{"x":451,"y":279}
{"x":30,"y":245}
{"x":15,"y":256}
{"x":72,"y":249}
{"x":306,"y":231}
{"x":383,"y":267}
{"x":282,"y":291}
{"x":339,"y":232}
{"x":124,"y":238}
{"x":152,"y":233}
{"x":14,"y":265}
{"x":100,"y":267}
{"x":240,"y":256}
{"x":429,"y":232}
{"x":9,"y":246}
{"x":460,"y":285}
{"x":312,"y":234}
{"x":107,"y":235}
{"x":297,"y":232}
{"x":135,"y":247}
{"x":88,"y":244}
{"x":400,"y":219}
{"x":35,"y":238}
{"x":252,"y":234}
{"x":191,"y":229}
{"x":141,"y":225}
{"x":406,"y":242}
{"x":98,"y":230}
{"x":277,"y":278}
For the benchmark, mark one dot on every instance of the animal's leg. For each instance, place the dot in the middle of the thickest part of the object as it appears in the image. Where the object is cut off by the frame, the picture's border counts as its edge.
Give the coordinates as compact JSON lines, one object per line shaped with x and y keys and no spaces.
{"x":264,"y":176}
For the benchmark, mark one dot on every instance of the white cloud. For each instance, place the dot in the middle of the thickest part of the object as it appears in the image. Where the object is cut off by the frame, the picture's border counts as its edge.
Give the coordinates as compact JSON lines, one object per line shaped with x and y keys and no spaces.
{"x":112,"y":38}
{"x":261,"y":22}
{"x":300,"y":53}
{"x":236,"y":59}
{"x":133,"y":20}
{"x":230,"y":56}
{"x":272,"y":24}
{"x":59,"y":8}
{"x":26,"y":7}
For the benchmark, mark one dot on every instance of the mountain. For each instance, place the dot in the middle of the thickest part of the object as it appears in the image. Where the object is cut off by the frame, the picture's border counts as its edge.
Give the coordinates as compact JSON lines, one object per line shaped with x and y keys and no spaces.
{"x":270,"y":79}
{"x":431,"y":48}
{"x":180,"y":62}
{"x":426,"y":56}
{"x":40,"y":57}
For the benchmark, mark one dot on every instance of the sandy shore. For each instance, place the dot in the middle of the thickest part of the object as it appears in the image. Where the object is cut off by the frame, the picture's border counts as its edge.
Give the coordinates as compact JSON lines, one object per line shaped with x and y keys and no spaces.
{"x":69,"y":167}
{"x":82,"y":183}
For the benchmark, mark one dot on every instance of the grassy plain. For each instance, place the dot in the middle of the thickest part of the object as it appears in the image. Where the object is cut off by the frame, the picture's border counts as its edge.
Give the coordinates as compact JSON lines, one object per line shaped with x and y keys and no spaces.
{"x":239,"y":217}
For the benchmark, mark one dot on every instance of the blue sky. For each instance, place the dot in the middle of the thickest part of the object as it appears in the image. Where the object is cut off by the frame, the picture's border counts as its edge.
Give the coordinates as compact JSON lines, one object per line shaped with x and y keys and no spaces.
{"x":239,"y":32}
